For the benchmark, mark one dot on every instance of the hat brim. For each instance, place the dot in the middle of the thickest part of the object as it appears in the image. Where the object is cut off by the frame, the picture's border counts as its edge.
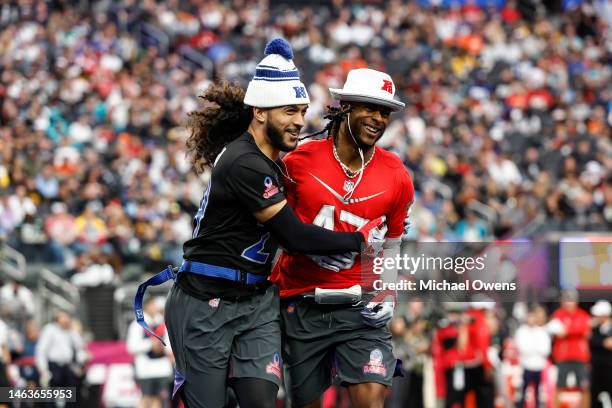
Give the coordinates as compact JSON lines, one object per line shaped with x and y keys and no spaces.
{"x":341,"y":95}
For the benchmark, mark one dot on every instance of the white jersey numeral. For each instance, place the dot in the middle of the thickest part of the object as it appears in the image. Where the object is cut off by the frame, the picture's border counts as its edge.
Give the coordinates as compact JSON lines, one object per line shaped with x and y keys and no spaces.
{"x":352,"y":219}
{"x":325,"y":218}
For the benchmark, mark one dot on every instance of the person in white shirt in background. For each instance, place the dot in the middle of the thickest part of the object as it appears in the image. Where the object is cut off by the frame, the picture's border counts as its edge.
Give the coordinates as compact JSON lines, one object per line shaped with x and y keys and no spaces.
{"x":17,"y":299}
{"x":5,"y":358}
{"x":153,"y":363}
{"x":533,"y":343}
{"x":59,"y":352}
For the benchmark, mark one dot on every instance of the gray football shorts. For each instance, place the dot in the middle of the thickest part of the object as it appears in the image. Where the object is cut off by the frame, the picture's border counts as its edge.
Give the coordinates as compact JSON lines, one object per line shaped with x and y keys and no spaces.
{"x":330,"y":344}
{"x":580,"y":377}
{"x":153,"y":386}
{"x":217,"y":340}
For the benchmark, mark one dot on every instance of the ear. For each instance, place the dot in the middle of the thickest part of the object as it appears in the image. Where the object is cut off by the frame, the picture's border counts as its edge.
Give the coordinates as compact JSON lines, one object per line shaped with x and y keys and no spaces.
{"x":260,"y":114}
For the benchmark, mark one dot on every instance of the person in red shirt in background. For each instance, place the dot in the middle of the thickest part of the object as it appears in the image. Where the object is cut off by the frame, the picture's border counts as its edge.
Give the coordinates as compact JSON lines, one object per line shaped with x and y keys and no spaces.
{"x":571,"y":327}
{"x":445,"y":352}
{"x":481,"y":375}
{"x":510,"y":14}
{"x":459,"y":356}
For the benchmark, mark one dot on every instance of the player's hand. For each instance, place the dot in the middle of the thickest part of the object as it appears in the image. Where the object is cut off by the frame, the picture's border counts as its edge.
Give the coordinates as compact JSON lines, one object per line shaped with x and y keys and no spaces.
{"x":335,"y":262}
{"x":374,"y":236}
{"x":378,"y":314}
{"x":407,"y":224}
{"x":407,"y":220}
{"x":556,"y":328}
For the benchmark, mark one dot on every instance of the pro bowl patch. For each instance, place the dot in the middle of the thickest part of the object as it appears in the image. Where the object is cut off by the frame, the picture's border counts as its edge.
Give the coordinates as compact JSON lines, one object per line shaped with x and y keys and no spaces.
{"x":274,"y":366}
{"x":271,"y":189}
{"x":375,"y":365}
{"x":214,"y":302}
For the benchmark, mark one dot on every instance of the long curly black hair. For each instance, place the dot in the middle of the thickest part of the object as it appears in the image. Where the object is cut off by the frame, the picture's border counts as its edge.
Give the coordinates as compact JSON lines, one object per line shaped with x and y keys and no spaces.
{"x":224,"y":118}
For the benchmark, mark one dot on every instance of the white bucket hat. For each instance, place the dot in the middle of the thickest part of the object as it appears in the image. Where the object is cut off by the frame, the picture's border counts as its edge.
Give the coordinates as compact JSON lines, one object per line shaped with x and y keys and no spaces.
{"x":368,"y":86}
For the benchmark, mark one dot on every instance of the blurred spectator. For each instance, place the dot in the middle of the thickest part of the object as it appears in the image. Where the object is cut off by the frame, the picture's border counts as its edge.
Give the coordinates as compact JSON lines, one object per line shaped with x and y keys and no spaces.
{"x":5,"y":356}
{"x":418,"y":347}
{"x":95,"y":272}
{"x":460,"y":354}
{"x":571,"y":327}
{"x":152,"y":361}
{"x":59,"y":353}
{"x":20,"y":205}
{"x":46,"y":184}
{"x":533,"y":343}
{"x":60,"y":227}
{"x":17,"y":300}
{"x":26,"y":361}
{"x":8,"y":217}
{"x":471,"y":229}
{"x":503,"y":171}
{"x":401,"y":385}
{"x":601,"y":351}
{"x":479,"y":371}
{"x":449,"y":346}
{"x":90,"y":228}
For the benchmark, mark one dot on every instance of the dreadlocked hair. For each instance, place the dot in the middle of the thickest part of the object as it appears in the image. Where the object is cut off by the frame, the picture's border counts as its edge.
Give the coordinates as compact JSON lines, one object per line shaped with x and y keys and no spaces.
{"x":335,"y":114}
{"x":224,"y":118}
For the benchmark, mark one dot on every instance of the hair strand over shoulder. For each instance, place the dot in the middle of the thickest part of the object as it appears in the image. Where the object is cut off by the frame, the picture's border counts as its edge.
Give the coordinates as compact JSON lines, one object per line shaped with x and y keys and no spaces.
{"x":223,"y":119}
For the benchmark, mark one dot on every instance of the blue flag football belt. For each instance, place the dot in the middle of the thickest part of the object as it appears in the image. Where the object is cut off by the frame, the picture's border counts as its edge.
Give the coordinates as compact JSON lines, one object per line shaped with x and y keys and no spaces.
{"x":199,"y":268}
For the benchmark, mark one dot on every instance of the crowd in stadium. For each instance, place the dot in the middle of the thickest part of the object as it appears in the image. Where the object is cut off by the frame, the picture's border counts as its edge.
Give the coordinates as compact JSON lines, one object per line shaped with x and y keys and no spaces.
{"x":508,"y":120}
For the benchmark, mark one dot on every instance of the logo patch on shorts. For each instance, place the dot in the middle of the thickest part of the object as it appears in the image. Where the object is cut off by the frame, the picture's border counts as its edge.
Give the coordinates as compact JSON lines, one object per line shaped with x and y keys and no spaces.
{"x":271,"y":189}
{"x":214,"y":302}
{"x":375,"y":366}
{"x":274,"y":367}
{"x":291,"y":308}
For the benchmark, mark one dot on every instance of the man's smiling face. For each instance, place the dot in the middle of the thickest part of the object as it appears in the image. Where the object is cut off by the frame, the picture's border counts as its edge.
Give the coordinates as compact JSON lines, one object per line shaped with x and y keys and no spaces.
{"x":283,"y":126}
{"x":368,"y":122}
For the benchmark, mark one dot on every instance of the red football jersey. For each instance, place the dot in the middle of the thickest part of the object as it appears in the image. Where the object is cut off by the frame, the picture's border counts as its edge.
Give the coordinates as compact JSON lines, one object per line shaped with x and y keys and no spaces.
{"x":316,"y":196}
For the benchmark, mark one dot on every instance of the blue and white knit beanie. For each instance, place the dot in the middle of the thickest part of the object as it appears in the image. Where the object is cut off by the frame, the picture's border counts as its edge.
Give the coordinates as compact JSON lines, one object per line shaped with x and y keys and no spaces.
{"x":277,"y":80}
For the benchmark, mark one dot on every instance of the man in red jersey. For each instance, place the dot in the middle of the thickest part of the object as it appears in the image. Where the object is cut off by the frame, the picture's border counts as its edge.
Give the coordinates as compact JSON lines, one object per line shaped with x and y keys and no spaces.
{"x":335,"y":324}
{"x":571,"y":326}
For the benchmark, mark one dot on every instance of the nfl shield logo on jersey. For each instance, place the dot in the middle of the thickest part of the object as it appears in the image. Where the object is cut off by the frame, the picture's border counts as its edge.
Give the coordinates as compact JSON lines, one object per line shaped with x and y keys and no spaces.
{"x":348,"y":186}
